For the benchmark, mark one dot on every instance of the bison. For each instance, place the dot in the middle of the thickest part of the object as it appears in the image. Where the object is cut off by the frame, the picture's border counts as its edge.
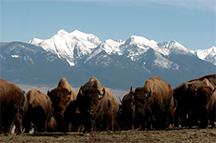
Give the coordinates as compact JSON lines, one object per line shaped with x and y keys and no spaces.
{"x":63,"y":98}
{"x":188,"y":102}
{"x":210,"y":77}
{"x":154,"y":105}
{"x":206,"y":105}
{"x":39,"y":111}
{"x":127,"y":115}
{"x":211,"y":110}
{"x":11,"y":103}
{"x":98,"y":107}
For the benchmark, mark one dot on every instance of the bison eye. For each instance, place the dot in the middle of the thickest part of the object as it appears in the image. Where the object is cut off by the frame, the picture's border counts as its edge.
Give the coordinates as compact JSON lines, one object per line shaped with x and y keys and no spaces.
{"x":67,"y":101}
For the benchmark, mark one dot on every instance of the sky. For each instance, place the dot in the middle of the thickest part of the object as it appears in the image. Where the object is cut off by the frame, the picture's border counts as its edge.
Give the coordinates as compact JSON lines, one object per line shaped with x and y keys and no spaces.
{"x":192,"y":23}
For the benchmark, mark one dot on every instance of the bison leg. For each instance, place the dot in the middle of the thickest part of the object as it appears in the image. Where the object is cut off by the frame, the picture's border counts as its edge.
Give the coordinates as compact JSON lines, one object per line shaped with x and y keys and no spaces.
{"x":9,"y":127}
{"x":112,"y":123}
{"x":80,"y":128}
{"x":18,"y":124}
{"x":203,"y":121}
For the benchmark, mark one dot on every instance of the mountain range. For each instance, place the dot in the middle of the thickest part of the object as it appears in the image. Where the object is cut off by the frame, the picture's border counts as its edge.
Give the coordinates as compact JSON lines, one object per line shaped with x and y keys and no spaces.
{"x":117,"y":64}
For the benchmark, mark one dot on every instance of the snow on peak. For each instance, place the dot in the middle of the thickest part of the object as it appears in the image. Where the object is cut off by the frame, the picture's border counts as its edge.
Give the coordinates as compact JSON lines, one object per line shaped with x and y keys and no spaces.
{"x":62,"y":32}
{"x":164,"y":63}
{"x":203,"y":53}
{"x":84,"y":36}
{"x":80,"y":34}
{"x":141,"y":41}
{"x":35,"y":41}
{"x":175,"y":47}
{"x":73,"y":46}
{"x":207,"y":54}
{"x":111,"y":46}
{"x":69,"y":45}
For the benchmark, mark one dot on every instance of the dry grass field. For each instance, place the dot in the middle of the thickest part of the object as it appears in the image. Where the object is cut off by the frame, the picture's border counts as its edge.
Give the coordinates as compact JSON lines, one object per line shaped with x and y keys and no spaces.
{"x":170,"y":135}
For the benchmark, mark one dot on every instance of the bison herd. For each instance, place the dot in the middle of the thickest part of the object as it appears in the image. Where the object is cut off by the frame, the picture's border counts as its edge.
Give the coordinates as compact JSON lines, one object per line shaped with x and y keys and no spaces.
{"x":156,"y":105}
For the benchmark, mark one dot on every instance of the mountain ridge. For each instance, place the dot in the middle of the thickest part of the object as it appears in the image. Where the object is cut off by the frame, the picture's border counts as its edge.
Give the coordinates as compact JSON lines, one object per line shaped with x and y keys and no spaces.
{"x":117,"y":64}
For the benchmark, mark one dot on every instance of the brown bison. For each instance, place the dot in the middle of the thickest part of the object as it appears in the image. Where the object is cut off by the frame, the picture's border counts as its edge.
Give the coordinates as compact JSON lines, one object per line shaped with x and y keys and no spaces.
{"x":63,"y":98}
{"x":12,"y":102}
{"x":210,"y":109}
{"x":188,"y":102}
{"x":154,"y":104}
{"x":127,"y":115}
{"x":206,"y":105}
{"x":210,"y":77}
{"x":38,"y":111}
{"x":98,"y":107}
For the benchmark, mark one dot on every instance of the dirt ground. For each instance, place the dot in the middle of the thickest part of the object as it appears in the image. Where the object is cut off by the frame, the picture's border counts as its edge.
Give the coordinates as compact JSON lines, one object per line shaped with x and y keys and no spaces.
{"x":170,"y":135}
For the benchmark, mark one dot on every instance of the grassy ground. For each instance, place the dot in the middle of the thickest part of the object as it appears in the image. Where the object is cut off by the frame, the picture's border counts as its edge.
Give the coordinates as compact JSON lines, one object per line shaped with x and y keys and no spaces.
{"x":174,"y":135}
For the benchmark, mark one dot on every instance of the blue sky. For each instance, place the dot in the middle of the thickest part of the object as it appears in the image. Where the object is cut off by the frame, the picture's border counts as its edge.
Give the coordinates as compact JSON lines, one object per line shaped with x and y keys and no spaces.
{"x":192,"y":23}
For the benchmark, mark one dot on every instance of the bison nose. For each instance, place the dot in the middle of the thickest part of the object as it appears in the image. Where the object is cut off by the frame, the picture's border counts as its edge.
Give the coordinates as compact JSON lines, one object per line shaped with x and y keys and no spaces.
{"x":61,"y":113}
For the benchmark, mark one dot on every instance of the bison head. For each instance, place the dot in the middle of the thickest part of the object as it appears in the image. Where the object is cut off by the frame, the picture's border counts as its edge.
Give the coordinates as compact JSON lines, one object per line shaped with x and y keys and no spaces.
{"x":91,"y":99}
{"x":60,"y":98}
{"x":141,"y":96}
{"x":128,"y":105}
{"x":204,"y":94}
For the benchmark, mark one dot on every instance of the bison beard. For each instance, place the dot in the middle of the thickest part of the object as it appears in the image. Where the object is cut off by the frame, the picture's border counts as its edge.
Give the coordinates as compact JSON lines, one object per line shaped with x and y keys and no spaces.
{"x":92,"y":98}
{"x":90,"y":121}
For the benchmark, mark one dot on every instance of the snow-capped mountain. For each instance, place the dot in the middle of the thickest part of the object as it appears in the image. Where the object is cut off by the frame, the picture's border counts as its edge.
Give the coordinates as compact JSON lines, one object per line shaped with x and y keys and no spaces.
{"x":207,"y":54}
{"x":116,"y":63}
{"x":73,"y":46}
{"x":69,"y":46}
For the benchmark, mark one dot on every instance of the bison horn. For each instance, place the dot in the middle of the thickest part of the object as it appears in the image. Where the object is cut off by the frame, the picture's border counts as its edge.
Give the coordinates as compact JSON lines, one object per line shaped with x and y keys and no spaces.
{"x":102,"y":95}
{"x":150,"y":92}
{"x":80,"y":91}
{"x":120,"y":100}
{"x":131,"y":90}
{"x":48,"y":92}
